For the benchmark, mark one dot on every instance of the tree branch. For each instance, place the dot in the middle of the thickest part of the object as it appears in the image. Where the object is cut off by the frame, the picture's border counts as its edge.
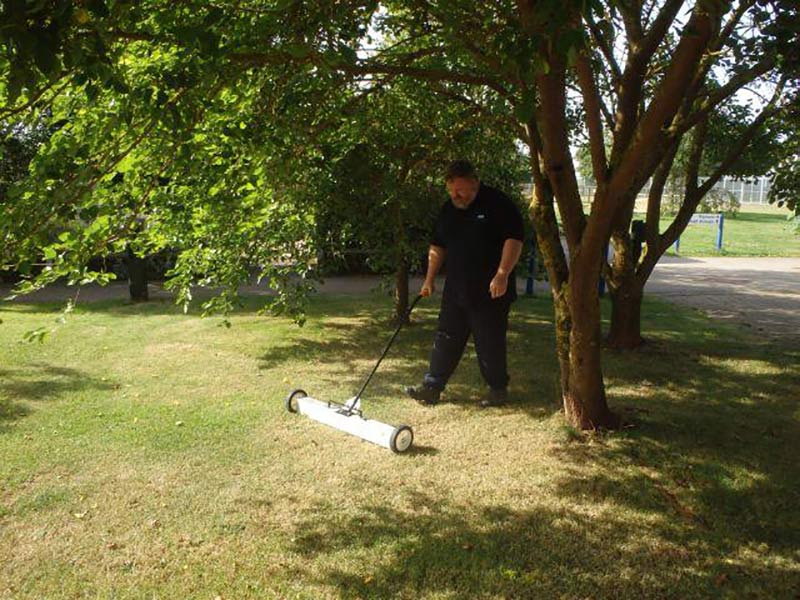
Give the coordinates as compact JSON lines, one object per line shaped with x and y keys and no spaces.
{"x":558,"y":163}
{"x":741,"y":144}
{"x":730,"y":25}
{"x":7,"y":112}
{"x":631,"y":17}
{"x":594,"y":122}
{"x":608,"y":53}
{"x":658,"y":30}
{"x":713,"y":99}
{"x":640,"y":51}
{"x":655,"y":196}
{"x":521,"y":132}
{"x":690,"y":197}
{"x":650,"y":134}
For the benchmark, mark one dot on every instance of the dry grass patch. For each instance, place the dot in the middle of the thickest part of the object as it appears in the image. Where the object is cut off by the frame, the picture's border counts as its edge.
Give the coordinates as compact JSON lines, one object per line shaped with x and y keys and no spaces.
{"x":153,"y":458}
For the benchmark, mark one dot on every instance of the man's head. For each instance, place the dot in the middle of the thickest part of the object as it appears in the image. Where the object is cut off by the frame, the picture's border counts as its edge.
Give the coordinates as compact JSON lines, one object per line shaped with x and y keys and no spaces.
{"x":462,"y":183}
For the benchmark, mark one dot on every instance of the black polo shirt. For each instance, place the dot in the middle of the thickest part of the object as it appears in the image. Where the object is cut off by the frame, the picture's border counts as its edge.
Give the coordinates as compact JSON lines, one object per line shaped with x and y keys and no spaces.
{"x":474,"y":239}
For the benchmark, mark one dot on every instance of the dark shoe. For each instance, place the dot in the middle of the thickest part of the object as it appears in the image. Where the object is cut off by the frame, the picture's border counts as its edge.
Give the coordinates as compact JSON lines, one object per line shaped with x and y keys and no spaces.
{"x":494,"y":398}
{"x":424,"y":394}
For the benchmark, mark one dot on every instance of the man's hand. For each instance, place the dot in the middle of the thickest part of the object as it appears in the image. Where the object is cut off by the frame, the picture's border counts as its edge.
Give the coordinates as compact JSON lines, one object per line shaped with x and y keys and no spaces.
{"x":427,"y":289}
{"x":498,"y":285}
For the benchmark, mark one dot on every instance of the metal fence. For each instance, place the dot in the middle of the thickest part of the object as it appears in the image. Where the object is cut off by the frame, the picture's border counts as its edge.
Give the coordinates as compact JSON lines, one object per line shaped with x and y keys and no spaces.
{"x":747,"y":191}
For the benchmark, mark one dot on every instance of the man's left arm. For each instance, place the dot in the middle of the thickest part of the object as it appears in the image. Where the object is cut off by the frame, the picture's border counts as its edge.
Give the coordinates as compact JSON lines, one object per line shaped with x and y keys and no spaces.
{"x":512,"y":249}
{"x":512,"y":231}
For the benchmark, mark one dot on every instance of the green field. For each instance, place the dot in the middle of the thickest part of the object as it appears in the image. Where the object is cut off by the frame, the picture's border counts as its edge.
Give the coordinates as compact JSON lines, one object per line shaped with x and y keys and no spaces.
{"x":147,"y":454}
{"x":754,"y":231}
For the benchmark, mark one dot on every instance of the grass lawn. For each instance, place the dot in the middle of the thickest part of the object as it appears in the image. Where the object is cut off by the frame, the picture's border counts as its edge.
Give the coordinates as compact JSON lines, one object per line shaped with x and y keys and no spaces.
{"x":147,"y":454}
{"x":755,"y":231}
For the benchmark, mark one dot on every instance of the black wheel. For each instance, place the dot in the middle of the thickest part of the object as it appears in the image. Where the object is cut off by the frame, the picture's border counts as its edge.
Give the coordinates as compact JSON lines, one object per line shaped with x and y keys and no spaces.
{"x":291,"y":400}
{"x":401,"y":440}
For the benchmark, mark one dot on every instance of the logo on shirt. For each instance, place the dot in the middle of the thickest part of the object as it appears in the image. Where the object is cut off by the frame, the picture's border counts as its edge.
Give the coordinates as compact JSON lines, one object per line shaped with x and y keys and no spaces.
{"x":481,"y":216}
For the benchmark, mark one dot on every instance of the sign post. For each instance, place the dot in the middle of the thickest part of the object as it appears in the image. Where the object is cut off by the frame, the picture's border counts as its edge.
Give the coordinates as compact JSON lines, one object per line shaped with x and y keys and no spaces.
{"x":717,"y":219}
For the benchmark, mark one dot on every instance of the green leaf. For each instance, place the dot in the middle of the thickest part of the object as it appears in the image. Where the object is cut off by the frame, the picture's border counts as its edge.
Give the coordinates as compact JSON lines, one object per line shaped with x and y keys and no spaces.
{"x":347,"y":54}
{"x":44,"y":55}
{"x":524,"y":111}
{"x":297,"y":50}
{"x":98,"y":7}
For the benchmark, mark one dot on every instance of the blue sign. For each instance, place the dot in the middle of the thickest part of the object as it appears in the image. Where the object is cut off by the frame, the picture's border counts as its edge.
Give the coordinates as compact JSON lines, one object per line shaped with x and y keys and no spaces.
{"x":717,"y":219}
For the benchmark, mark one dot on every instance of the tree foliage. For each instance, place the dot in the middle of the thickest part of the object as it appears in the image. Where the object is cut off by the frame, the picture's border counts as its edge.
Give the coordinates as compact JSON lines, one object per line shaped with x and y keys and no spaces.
{"x":785,"y":189}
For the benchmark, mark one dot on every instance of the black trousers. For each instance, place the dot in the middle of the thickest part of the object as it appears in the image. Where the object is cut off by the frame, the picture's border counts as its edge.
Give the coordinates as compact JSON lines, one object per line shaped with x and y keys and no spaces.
{"x":488,"y":324}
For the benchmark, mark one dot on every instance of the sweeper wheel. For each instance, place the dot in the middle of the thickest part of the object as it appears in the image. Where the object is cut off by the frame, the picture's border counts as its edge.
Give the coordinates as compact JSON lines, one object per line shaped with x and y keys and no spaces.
{"x":291,"y":400}
{"x":401,"y":440}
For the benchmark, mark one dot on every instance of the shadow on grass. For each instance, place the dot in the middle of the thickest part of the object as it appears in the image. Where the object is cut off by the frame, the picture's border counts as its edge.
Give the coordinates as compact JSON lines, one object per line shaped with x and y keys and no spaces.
{"x":712,"y":454}
{"x":446,"y":549}
{"x":348,"y":340}
{"x":39,"y":382}
{"x":698,"y":500}
{"x":719,"y":424}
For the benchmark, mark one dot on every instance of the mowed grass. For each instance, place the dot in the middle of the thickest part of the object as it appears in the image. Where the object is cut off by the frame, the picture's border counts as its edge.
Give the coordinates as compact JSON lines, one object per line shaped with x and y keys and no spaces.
{"x":755,"y":231}
{"x":148,"y":454}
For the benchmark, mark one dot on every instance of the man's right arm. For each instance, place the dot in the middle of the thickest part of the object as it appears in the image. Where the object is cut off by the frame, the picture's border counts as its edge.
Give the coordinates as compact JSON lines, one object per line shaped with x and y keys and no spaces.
{"x":436,"y":255}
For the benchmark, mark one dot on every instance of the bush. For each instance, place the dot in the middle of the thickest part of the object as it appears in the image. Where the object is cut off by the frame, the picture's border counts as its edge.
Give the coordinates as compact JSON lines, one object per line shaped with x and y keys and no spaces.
{"x":717,"y":200}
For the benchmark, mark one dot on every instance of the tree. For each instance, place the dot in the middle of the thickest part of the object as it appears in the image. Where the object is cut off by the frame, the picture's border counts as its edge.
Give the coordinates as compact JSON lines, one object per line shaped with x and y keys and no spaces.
{"x":511,"y":61}
{"x":712,"y":134}
{"x":731,"y":141}
{"x":785,"y":189}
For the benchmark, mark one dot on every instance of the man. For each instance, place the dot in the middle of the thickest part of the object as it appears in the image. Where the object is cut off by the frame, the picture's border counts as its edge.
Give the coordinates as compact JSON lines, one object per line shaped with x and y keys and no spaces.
{"x":480,"y":233}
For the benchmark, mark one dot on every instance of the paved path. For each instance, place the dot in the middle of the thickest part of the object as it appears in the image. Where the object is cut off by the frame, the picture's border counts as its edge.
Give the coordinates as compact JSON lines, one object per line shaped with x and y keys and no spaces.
{"x":761,"y":293}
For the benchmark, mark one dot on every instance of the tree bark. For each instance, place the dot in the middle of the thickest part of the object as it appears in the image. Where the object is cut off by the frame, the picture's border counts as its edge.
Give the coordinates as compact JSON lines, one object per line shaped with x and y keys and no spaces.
{"x":585,"y":403}
{"x":555,"y":262}
{"x":401,"y":261}
{"x":577,"y":309}
{"x":625,"y":331}
{"x":401,"y":292}
{"x":574,"y":287}
{"x":137,"y":276}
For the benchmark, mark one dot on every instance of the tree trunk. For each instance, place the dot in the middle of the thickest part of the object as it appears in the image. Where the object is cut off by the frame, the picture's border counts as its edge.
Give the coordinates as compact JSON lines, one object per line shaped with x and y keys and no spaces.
{"x":626,"y":291}
{"x":576,"y":305}
{"x":585,"y":403}
{"x":548,"y":240}
{"x":137,"y":276}
{"x":401,"y":292}
{"x":401,"y":261}
{"x":625,"y":332}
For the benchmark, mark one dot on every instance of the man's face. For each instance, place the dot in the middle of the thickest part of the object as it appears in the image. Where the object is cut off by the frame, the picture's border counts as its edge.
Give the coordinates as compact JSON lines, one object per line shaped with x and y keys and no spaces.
{"x":462,"y":191}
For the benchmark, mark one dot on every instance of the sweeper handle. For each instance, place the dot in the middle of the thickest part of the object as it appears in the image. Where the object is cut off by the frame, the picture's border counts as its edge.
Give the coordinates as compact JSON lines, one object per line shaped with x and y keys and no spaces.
{"x":386,"y":350}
